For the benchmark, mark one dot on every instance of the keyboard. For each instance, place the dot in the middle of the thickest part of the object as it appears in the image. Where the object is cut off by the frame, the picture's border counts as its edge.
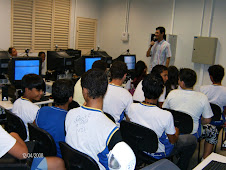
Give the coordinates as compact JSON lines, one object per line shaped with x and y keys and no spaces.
{"x":215,"y":165}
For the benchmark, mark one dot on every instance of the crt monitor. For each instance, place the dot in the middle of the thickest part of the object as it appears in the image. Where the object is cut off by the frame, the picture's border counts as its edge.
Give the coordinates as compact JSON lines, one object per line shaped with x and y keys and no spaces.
{"x":4,"y":60}
{"x":130,"y":61}
{"x":25,"y":65}
{"x":60,"y":61}
{"x":89,"y":60}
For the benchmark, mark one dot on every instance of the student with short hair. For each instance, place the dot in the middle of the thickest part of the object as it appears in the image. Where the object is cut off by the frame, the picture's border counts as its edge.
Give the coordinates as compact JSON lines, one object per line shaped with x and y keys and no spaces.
{"x":117,"y":99}
{"x":148,"y":114}
{"x":12,"y":52}
{"x":51,"y":119}
{"x":163,"y":72}
{"x":215,"y":92}
{"x":87,"y":128}
{"x":196,"y":105}
{"x":78,"y":97}
{"x":32,"y":85}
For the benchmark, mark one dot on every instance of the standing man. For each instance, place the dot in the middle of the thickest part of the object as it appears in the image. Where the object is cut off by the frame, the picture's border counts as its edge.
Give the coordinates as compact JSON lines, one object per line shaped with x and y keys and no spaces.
{"x":159,"y":51}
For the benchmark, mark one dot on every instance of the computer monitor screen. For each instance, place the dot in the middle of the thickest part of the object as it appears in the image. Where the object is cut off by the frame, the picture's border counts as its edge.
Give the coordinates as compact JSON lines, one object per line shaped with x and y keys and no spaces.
{"x":130,"y":61}
{"x":89,"y":62}
{"x":23,"y":66}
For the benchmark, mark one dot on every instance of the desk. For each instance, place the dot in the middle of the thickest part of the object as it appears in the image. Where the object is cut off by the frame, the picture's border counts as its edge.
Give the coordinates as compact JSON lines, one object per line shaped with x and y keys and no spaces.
{"x":211,"y":157}
{"x":9,"y":105}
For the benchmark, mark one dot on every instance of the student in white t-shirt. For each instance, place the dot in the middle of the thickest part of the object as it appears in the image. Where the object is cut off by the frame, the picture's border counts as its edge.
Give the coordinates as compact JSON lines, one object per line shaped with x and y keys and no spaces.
{"x":117,"y":99}
{"x":195,"y":104}
{"x":148,"y":114}
{"x":32,"y":85}
{"x":139,"y":94}
{"x":215,"y":92}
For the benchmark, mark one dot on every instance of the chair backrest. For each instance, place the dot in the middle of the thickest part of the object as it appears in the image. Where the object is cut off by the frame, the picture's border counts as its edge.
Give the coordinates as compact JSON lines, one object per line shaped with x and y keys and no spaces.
{"x":15,"y":124}
{"x":182,"y":121}
{"x":138,"y":137}
{"x":110,"y":116}
{"x":75,"y":159}
{"x":44,"y":142}
{"x":216,"y":112}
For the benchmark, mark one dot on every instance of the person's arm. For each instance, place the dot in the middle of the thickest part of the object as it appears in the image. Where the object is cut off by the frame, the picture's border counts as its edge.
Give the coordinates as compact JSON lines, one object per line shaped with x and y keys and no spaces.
{"x":205,"y":120}
{"x":149,"y":49}
{"x":167,"y":62}
{"x":19,"y":150}
{"x":173,"y":138}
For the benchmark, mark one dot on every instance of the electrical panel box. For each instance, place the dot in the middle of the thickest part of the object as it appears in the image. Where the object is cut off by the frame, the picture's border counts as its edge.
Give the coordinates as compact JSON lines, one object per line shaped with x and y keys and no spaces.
{"x":172,"y":40}
{"x":204,"y":50}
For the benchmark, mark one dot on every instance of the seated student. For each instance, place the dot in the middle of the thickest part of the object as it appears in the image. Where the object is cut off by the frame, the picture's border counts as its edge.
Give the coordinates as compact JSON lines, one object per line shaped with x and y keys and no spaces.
{"x":158,"y":69}
{"x":117,"y":99}
{"x":32,"y":85}
{"x":87,"y":128}
{"x":15,"y":146}
{"x":195,"y":104}
{"x":42,"y":55}
{"x":51,"y":119}
{"x":216,"y":93}
{"x":172,"y":82}
{"x":140,"y":72}
{"x":161,"y":122}
{"x":78,"y":97}
{"x":12,"y":52}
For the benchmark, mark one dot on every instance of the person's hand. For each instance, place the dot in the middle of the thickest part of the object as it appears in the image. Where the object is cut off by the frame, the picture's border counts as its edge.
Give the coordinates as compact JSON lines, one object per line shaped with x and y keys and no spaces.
{"x":152,"y":43}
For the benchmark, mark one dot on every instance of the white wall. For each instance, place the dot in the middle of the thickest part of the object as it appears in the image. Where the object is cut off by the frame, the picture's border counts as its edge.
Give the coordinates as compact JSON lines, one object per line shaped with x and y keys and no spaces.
{"x":145,"y":16}
{"x":5,"y":20}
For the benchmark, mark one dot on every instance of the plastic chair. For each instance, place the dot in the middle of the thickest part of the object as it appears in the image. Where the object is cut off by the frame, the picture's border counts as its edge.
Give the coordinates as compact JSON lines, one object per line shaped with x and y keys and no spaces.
{"x":182,"y":121}
{"x":12,"y":163}
{"x":15,"y":124}
{"x":44,"y":142}
{"x":110,"y":116}
{"x":75,"y":159}
{"x":140,"y":139}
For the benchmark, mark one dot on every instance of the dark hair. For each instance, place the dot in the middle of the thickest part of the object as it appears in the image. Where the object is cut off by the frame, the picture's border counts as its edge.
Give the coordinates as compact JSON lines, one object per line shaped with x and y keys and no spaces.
{"x":139,"y":68}
{"x":217,"y":72}
{"x":161,"y":29}
{"x":158,"y":69}
{"x":152,"y":86}
{"x":10,"y":50}
{"x":100,"y":65}
{"x":62,"y":90}
{"x":188,"y":76}
{"x":118,"y":70}
{"x":40,"y":53}
{"x":31,"y":81}
{"x":172,"y":79}
{"x":96,"y":82}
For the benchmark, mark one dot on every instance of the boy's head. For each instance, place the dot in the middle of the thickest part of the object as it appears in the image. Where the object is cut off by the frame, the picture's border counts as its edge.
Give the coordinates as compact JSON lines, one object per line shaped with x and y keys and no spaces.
{"x":188,"y":76}
{"x":100,"y":65}
{"x":62,"y":91}
{"x":118,"y":70}
{"x":94,"y":84}
{"x":216,"y":73}
{"x":12,"y":51}
{"x":32,"y":86}
{"x":162,"y":71}
{"x":152,"y":86}
{"x":42,"y":55}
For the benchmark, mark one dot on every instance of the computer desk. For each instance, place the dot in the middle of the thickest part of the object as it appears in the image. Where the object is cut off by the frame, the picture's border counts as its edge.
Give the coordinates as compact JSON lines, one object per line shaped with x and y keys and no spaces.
{"x":9,"y":105}
{"x":212,"y":157}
